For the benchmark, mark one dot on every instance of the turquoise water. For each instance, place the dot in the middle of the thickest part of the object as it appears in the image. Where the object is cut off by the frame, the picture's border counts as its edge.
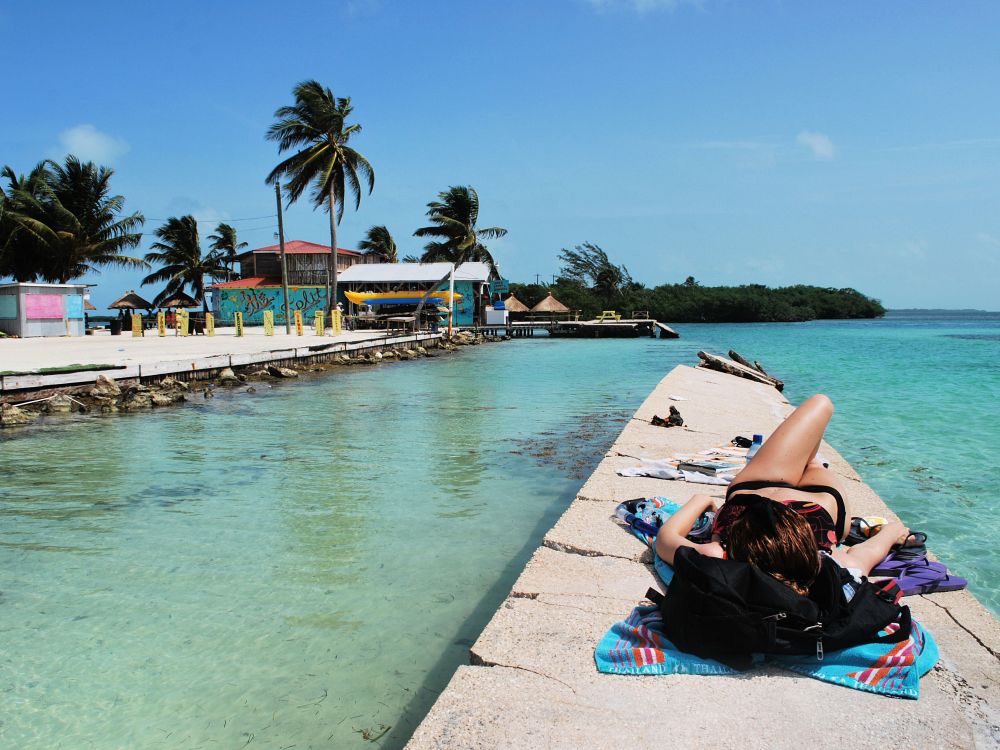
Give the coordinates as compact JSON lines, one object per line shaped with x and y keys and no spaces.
{"x":306,"y":566}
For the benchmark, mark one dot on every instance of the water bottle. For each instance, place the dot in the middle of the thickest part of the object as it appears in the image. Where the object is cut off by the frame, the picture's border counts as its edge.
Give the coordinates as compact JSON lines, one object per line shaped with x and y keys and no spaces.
{"x":758,"y":440}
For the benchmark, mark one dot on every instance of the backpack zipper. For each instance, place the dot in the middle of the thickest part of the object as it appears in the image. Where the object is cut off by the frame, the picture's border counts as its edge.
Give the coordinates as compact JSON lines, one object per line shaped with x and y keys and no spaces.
{"x":819,"y":639}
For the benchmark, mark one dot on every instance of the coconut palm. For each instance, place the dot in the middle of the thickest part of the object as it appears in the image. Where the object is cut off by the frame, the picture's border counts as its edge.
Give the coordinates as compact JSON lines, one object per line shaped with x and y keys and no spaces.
{"x":454,"y":218}
{"x":178,"y":251}
{"x":225,"y":245}
{"x":378,"y":240}
{"x":67,"y":213}
{"x":317,"y":125}
{"x":21,"y":254}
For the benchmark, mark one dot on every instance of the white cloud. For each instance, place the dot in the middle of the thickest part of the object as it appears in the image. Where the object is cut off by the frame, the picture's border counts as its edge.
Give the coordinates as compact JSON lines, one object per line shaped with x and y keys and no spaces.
{"x":89,"y":144}
{"x":819,"y":143}
{"x":643,"y":6}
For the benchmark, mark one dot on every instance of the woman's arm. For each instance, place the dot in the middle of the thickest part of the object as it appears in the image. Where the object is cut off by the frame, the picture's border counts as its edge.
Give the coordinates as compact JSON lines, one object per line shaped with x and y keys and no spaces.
{"x":671,"y":536}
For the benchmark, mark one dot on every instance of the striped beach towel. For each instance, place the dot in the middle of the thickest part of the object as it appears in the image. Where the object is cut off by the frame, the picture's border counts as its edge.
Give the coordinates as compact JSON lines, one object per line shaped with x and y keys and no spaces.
{"x":637,"y":645}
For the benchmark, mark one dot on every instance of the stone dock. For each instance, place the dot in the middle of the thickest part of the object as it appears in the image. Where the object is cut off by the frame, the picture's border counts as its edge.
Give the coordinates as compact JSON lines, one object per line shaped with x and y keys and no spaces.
{"x":532,"y":682}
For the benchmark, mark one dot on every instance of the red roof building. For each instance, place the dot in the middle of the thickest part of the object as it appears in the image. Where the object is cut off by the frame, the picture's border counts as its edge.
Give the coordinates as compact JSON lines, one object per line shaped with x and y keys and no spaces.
{"x":308,"y":264}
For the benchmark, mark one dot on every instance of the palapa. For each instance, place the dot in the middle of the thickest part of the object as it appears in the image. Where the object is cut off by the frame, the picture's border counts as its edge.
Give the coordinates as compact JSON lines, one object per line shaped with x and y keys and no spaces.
{"x":130,"y":301}
{"x":513,"y":304}
{"x":180,"y":300}
{"x":550,"y":305}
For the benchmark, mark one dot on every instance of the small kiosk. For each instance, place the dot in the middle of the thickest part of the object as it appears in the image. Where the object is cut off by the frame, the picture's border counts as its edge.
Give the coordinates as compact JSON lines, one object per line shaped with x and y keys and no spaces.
{"x":29,"y":309}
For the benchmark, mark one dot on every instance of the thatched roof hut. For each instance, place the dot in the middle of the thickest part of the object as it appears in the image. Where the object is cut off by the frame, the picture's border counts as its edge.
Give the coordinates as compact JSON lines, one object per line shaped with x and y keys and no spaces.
{"x":550,"y":305}
{"x":180,"y":300}
{"x":513,"y":304}
{"x":130,"y":301}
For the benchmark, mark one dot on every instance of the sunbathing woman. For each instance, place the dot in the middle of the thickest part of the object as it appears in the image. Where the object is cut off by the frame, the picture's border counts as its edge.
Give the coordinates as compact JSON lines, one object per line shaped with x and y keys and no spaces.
{"x":783,"y":508}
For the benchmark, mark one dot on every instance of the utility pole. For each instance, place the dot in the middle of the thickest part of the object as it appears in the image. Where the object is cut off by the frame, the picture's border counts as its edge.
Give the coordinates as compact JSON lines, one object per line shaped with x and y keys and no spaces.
{"x":284,"y":262}
{"x":537,"y":277}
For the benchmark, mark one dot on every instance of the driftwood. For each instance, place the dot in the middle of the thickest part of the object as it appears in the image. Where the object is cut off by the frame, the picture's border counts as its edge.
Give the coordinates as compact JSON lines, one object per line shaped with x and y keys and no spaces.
{"x":755,"y":365}
{"x":730,"y":367}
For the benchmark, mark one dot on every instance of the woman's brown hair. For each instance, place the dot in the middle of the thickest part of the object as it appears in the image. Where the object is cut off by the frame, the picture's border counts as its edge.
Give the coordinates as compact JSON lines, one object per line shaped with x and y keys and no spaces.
{"x":778,"y":541}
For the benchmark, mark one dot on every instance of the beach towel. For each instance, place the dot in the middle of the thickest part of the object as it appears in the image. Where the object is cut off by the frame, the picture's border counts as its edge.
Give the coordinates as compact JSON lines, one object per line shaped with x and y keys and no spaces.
{"x":637,"y":644}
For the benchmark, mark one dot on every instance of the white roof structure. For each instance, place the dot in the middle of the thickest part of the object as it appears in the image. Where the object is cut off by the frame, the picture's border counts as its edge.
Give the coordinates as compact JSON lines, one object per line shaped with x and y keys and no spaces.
{"x":381,"y":273}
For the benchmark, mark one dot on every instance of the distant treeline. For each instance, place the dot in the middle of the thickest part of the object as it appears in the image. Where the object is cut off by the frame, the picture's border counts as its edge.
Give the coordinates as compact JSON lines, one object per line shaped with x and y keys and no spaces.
{"x":589,"y":281}
{"x":692,"y":303}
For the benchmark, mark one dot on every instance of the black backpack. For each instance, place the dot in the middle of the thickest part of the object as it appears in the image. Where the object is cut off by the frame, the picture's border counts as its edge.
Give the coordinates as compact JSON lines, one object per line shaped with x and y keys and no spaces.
{"x":727,"y":610}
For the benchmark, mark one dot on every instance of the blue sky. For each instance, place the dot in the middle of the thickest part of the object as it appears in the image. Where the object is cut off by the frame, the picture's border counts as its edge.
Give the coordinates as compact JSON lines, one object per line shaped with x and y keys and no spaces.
{"x":839,"y":144}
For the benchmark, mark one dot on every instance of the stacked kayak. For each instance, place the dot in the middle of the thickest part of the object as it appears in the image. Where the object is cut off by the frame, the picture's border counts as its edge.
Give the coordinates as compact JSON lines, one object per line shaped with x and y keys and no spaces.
{"x":436,"y":297}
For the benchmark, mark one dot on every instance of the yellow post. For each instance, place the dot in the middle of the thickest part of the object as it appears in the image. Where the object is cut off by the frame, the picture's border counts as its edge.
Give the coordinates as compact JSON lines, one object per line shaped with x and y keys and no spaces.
{"x":238,"y":319}
{"x":209,"y":324}
{"x":136,"y":326}
{"x":320,"y":324}
{"x":161,"y":323}
{"x":269,"y":322}
{"x":298,"y":322}
{"x":335,"y":322}
{"x":183,"y":322}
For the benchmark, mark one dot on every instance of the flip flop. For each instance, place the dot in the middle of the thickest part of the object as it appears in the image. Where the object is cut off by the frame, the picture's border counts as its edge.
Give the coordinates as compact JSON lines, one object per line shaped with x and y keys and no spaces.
{"x":915,"y":539}
{"x":897,"y":562}
{"x":923,"y":579}
{"x":864,"y":528}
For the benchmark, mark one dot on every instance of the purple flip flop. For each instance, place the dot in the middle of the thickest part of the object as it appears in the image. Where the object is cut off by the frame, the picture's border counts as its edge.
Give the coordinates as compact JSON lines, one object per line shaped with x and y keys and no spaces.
{"x":927,"y":579}
{"x":898,"y":560}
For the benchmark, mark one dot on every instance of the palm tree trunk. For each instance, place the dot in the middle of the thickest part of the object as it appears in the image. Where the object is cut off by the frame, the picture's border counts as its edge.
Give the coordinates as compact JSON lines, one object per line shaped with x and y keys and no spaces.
{"x":331,"y":303}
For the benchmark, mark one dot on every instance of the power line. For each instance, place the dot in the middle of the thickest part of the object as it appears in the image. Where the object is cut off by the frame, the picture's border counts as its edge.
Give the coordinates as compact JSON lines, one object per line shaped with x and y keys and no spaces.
{"x":221,"y":221}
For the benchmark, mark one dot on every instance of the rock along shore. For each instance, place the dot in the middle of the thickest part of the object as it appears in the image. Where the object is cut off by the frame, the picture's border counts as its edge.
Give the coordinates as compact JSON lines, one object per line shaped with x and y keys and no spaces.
{"x":532,"y":682}
{"x":175,"y":382}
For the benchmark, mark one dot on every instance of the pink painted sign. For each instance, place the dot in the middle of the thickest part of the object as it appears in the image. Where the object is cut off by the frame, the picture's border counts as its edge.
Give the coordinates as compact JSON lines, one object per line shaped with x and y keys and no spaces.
{"x":37,"y":306}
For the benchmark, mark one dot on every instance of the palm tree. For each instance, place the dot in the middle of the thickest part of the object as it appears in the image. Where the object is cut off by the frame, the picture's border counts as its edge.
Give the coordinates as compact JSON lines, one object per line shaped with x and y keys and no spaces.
{"x":454,"y":218}
{"x":21,"y":254}
{"x":317,"y":125}
{"x":378,"y":240}
{"x":76,"y":225}
{"x":589,"y":263}
{"x":225,"y":245}
{"x":179,"y":252}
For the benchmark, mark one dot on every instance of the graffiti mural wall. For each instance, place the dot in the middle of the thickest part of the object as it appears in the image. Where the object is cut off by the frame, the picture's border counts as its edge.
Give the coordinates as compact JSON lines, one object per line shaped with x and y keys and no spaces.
{"x":252,"y":302}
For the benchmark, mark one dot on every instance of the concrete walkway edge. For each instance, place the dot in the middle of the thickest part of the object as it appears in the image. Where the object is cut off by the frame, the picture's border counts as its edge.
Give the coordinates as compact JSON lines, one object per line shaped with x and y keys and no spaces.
{"x":532,"y":682}
{"x":288,"y":356}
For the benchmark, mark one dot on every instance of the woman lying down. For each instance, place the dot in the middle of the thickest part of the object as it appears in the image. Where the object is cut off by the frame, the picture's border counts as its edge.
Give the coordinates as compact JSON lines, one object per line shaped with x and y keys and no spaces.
{"x":783,"y":510}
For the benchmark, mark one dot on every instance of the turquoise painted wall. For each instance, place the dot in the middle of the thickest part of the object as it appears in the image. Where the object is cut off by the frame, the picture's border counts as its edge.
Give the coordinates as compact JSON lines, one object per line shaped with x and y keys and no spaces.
{"x":74,"y":305}
{"x":253,"y":302}
{"x":8,"y":306}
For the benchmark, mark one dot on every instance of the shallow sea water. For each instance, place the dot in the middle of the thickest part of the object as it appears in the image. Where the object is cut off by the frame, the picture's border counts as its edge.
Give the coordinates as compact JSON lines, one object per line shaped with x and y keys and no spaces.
{"x":306,"y":566}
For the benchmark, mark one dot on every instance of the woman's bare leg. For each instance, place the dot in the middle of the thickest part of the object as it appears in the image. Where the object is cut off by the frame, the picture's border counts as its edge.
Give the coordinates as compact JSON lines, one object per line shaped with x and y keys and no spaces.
{"x":785,"y":455}
{"x":871,"y":552}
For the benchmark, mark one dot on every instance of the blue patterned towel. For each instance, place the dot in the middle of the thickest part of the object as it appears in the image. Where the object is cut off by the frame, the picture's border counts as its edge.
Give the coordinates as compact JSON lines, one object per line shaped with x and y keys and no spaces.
{"x":637,"y":645}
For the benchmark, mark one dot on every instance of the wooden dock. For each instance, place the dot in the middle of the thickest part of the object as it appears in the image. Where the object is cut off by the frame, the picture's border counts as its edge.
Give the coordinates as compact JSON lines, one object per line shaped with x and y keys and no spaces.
{"x":586,"y":329}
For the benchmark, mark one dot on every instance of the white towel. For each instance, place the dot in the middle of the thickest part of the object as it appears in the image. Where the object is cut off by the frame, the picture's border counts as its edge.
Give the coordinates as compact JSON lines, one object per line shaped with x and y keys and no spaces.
{"x":662,"y":469}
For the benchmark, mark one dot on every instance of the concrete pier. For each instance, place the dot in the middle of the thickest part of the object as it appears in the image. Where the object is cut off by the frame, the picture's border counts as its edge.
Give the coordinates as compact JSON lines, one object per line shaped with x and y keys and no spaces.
{"x":532,"y":682}
{"x":152,"y":356}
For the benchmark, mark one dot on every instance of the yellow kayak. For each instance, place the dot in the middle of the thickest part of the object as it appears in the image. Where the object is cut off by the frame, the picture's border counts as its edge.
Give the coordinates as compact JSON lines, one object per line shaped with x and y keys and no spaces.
{"x":402,"y":298}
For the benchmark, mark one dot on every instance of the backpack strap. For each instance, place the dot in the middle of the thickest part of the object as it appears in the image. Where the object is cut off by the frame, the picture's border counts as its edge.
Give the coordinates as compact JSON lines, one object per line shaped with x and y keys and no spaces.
{"x":905,"y":623}
{"x":654,"y":596}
